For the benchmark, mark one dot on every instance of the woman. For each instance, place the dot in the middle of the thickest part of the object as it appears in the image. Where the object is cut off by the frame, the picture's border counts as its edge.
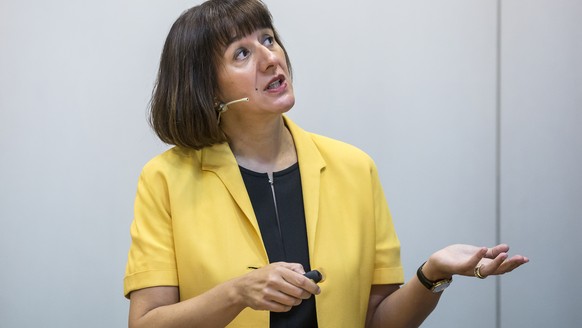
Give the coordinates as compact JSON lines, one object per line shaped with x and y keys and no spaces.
{"x":228,"y":221}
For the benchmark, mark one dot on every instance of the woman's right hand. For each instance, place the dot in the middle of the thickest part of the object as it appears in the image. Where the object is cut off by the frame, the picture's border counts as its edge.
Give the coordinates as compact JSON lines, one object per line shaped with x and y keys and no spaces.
{"x":276,"y":287}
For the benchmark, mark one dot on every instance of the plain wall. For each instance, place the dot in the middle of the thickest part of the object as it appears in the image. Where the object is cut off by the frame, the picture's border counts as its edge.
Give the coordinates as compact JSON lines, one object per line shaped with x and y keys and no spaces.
{"x":542,"y":160}
{"x":471,"y":111}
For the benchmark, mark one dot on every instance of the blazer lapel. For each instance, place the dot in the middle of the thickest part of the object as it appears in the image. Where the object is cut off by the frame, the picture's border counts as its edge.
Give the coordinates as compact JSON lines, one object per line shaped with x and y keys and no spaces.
{"x":311,"y":164}
{"x":220,"y":160}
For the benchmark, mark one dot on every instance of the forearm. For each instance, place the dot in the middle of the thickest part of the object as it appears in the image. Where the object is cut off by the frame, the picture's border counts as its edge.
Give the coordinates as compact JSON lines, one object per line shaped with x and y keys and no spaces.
{"x":407,"y":307}
{"x":411,"y":304}
{"x":215,"y":308}
{"x":276,"y":287}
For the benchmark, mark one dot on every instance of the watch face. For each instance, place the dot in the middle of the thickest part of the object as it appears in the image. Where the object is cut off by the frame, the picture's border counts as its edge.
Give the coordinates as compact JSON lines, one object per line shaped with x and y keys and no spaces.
{"x":440,"y":286}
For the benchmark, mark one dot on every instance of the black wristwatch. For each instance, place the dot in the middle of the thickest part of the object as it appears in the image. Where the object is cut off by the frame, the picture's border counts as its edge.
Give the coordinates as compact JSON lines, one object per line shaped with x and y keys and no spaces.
{"x":433,"y":286}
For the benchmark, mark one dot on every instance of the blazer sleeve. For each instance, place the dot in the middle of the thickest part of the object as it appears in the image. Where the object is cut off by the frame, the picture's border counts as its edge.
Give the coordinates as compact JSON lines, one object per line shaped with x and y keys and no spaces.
{"x":388,"y":267}
{"x":151,"y":259}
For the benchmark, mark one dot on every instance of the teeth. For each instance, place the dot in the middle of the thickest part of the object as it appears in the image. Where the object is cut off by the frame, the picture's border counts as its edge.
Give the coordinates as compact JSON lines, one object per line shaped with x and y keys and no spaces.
{"x":275,"y":84}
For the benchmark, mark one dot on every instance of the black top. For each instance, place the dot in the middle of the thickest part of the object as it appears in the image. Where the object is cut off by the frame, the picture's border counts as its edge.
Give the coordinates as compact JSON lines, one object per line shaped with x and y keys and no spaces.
{"x":278,"y":206}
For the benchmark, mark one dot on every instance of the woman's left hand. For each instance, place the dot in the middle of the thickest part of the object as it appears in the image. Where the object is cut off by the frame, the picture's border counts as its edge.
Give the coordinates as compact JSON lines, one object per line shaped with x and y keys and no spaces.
{"x":465,"y":259}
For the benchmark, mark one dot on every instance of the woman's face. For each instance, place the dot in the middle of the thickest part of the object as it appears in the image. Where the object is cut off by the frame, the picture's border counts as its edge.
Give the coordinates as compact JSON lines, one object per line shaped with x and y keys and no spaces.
{"x":255,"y":67}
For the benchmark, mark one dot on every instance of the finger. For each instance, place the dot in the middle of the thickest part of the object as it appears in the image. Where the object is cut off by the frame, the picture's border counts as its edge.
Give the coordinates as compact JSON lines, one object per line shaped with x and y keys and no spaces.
{"x":513,"y":263}
{"x":303,"y":287}
{"x":296,"y":267}
{"x":274,"y":306}
{"x":284,"y":280}
{"x":493,"y":252}
{"x":284,"y":298}
{"x":476,"y":258}
{"x":271,"y":299}
{"x":295,"y":291}
{"x":289,"y":278}
{"x":493,"y":267}
{"x":310,"y":287}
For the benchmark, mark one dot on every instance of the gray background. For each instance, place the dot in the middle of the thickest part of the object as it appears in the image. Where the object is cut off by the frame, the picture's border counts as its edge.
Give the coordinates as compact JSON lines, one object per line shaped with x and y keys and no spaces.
{"x":471,"y":109}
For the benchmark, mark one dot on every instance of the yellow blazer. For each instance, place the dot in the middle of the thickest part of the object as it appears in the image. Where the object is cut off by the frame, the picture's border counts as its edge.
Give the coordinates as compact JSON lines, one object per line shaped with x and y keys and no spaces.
{"x":194,"y":226}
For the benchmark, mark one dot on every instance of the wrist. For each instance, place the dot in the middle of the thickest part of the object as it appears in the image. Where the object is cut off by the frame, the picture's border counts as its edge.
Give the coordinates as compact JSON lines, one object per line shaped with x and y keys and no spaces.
{"x":235,"y":293}
{"x":432,"y":273}
{"x":435,"y":286}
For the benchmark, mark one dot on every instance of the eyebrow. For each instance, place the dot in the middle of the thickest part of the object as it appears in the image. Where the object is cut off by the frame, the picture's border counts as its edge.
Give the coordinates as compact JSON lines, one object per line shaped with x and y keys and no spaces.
{"x":235,"y":37}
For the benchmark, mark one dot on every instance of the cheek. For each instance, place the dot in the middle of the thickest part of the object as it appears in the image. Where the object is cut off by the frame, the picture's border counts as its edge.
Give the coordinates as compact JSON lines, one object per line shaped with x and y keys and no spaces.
{"x":222,"y":81}
{"x":236,"y":86}
{"x":227,"y":83}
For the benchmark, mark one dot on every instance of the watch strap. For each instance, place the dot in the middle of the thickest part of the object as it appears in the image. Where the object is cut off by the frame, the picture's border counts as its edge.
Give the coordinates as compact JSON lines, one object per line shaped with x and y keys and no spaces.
{"x":429,"y":284}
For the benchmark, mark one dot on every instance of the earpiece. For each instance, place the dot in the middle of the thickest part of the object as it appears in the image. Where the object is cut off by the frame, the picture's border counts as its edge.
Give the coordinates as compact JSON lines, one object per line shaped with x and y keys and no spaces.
{"x":224,"y":107}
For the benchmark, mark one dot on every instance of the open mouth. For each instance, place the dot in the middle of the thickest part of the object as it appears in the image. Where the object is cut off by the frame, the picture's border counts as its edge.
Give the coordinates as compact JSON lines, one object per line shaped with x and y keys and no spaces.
{"x":276,"y":83}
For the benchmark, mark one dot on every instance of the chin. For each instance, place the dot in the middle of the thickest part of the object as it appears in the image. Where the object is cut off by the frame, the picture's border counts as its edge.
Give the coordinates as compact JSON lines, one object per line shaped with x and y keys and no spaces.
{"x":284,"y":105}
{"x":288,"y":108}
{"x":289,"y":103}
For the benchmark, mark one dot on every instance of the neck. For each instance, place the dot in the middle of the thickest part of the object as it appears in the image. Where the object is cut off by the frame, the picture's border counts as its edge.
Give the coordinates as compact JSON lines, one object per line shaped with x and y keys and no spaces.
{"x":265,"y":147}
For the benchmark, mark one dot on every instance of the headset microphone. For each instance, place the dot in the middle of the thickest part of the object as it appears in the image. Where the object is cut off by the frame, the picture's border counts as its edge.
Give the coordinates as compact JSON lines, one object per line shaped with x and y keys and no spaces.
{"x":224,"y":107}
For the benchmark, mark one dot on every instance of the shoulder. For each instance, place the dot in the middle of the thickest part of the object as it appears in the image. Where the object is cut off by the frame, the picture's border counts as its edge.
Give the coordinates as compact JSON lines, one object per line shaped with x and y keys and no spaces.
{"x":337,"y":149}
{"x":343,"y":158}
{"x":332,"y":151}
{"x":172,"y":161}
{"x":336,"y":154}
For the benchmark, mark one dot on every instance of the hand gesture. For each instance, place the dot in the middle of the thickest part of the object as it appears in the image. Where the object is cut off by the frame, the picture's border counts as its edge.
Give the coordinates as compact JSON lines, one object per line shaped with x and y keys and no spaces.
{"x":470,"y":260}
{"x":276,"y":287}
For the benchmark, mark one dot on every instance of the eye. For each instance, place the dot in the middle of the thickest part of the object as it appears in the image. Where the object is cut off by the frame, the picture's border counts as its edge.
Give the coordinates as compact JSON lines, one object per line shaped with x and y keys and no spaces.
{"x":241,"y":53}
{"x":268,"y":40}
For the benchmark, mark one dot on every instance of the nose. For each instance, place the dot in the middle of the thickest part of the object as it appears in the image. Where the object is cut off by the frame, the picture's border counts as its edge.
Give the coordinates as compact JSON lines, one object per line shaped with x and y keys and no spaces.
{"x":268,"y":58}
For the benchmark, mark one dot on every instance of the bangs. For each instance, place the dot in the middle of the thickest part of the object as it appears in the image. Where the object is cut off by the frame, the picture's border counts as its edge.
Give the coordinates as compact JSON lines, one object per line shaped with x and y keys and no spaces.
{"x":236,"y":19}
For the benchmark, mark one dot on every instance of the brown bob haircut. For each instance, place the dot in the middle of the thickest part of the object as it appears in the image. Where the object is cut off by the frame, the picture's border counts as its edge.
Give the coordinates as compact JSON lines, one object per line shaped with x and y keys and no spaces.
{"x":182,"y":108}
